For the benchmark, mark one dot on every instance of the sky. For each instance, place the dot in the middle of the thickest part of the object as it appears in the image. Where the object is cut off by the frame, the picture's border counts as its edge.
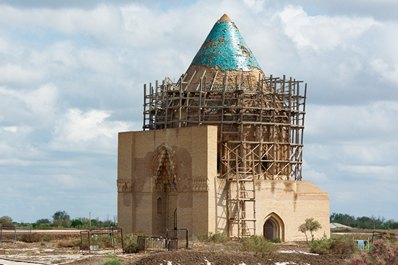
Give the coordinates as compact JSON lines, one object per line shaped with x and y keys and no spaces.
{"x":72,"y":75}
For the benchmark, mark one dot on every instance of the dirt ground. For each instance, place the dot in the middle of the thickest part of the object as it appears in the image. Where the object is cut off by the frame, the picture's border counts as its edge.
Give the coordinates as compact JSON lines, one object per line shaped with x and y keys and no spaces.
{"x":199,"y":253}
{"x":227,"y":258}
{"x":193,"y":257}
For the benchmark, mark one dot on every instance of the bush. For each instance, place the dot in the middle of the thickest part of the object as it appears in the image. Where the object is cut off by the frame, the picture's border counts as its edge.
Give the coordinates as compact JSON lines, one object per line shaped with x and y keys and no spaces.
{"x":61,"y":219}
{"x":344,"y":247}
{"x":217,"y":237}
{"x":310,"y":225}
{"x":257,"y":244}
{"x":112,"y":260}
{"x":103,"y":241}
{"x":34,"y":237}
{"x":6,"y":221}
{"x":132,"y":247}
{"x":130,"y":244}
{"x":276,"y":240}
{"x":69,"y":243}
{"x":320,"y":247}
{"x":382,"y":252}
{"x":338,"y":246}
{"x":214,"y":237}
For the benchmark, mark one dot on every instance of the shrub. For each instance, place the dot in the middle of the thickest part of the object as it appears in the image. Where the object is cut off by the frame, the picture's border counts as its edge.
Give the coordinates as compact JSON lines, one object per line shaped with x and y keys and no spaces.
{"x":130,"y":244}
{"x":112,"y":260}
{"x":214,"y":237}
{"x":61,"y":219}
{"x":320,"y":247}
{"x":76,"y":223}
{"x":257,"y":244}
{"x":69,"y":243}
{"x":344,"y":247}
{"x":34,"y":237}
{"x":6,"y":221}
{"x":103,"y":241}
{"x":217,"y":237}
{"x":338,"y":246}
{"x":132,"y":247}
{"x":43,"y":221}
{"x":276,"y":240}
{"x":310,"y":225}
{"x":382,"y":252}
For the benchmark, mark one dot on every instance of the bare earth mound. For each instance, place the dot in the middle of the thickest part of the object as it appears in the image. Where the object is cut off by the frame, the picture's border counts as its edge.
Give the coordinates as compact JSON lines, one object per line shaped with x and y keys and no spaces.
{"x":219,"y":258}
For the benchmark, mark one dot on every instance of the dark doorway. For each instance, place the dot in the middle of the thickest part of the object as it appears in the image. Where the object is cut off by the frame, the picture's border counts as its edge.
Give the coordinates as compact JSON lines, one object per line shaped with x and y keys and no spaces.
{"x":270,"y":229}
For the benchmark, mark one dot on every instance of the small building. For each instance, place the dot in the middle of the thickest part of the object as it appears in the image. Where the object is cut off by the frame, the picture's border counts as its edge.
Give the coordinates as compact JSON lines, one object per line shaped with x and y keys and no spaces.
{"x":220,"y":151}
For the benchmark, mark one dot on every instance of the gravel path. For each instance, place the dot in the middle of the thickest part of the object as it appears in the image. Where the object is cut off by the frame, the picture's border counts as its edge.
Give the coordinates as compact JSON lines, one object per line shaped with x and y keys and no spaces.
{"x":9,"y":262}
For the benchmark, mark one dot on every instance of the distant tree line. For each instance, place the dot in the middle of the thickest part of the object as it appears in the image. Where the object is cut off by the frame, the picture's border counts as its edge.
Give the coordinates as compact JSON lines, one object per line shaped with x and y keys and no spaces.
{"x":63,"y":220}
{"x":60,"y":219}
{"x":363,"y":222}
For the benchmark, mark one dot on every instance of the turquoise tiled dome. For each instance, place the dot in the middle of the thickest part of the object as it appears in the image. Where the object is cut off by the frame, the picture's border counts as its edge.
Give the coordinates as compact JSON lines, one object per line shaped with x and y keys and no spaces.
{"x":225,"y":49}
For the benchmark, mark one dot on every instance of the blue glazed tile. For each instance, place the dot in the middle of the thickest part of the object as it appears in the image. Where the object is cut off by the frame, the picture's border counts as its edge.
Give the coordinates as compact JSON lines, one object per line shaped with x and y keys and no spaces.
{"x":225,"y":49}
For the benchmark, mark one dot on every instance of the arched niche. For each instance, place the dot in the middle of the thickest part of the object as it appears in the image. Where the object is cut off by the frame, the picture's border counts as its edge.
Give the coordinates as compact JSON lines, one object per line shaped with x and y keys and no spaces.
{"x":273,"y":227}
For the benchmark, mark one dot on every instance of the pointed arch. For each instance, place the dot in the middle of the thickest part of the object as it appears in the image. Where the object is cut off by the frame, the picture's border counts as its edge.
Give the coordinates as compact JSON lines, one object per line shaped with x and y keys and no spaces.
{"x":274,"y":227}
{"x":164,"y":168}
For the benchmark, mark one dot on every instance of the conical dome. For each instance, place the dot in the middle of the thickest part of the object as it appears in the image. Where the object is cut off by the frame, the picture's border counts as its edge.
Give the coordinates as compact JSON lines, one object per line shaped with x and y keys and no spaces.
{"x":224,"y":58}
{"x":225,"y":49}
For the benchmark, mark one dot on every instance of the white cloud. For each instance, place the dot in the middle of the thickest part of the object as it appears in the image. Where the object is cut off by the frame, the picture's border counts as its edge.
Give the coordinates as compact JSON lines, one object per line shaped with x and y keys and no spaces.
{"x":343,"y":124}
{"x":322,"y":32}
{"x":256,"y":5}
{"x":43,"y":101}
{"x":386,"y":70}
{"x":365,"y":171}
{"x":89,"y":131}
{"x":314,"y":175}
{"x":67,"y":181}
{"x":35,"y":106}
{"x":148,"y":26}
{"x":18,"y":153}
{"x":12,"y":129}
{"x":17,"y":74}
{"x":101,"y":22}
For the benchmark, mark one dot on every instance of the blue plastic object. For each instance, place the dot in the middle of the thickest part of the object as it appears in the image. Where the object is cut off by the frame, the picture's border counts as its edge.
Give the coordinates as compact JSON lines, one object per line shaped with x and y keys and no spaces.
{"x":225,"y":49}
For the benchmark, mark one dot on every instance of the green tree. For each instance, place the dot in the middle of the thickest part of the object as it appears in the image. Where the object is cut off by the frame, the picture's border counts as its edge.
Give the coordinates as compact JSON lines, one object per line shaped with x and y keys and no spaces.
{"x":390,"y":224}
{"x":344,"y":219}
{"x":363,"y":221}
{"x":6,"y":221}
{"x":43,"y":221}
{"x":77,"y":223}
{"x":61,"y":218}
{"x":310,"y":225}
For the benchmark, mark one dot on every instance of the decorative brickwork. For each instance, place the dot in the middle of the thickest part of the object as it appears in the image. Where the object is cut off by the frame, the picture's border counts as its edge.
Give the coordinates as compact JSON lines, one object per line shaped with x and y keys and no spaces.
{"x":163,"y":166}
{"x":124,"y":186}
{"x":199,"y":183}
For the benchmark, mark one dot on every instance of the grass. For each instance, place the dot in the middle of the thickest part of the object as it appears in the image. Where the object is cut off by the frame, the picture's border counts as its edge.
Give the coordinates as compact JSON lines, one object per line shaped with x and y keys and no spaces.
{"x":112,"y":260}
{"x":342,"y":246}
{"x":130,"y":243}
{"x":257,"y":244}
{"x":69,"y":243}
{"x":383,"y":251}
{"x":214,"y":237}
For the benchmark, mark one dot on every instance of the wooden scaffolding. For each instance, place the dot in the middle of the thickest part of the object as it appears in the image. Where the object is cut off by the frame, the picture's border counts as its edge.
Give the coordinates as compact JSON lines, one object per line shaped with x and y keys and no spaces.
{"x":260,"y":131}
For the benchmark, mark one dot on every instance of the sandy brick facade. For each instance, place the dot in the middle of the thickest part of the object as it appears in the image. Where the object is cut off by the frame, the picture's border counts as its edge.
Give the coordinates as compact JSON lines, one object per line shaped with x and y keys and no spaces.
{"x":169,"y":176}
{"x":162,"y":171}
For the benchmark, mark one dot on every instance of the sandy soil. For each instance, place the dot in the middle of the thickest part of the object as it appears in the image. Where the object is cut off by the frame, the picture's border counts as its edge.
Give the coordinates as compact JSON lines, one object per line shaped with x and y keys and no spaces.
{"x":9,"y":262}
{"x":200,"y":253}
{"x":228,"y":258}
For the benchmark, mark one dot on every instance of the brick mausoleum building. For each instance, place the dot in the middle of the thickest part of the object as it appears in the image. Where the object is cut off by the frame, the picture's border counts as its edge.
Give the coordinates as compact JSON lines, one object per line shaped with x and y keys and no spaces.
{"x":221,"y":151}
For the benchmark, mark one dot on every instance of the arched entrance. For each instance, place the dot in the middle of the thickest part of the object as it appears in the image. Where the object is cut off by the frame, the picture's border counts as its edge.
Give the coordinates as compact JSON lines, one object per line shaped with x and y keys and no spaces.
{"x":273,"y":227}
{"x":270,"y":230}
{"x":165,"y":190}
